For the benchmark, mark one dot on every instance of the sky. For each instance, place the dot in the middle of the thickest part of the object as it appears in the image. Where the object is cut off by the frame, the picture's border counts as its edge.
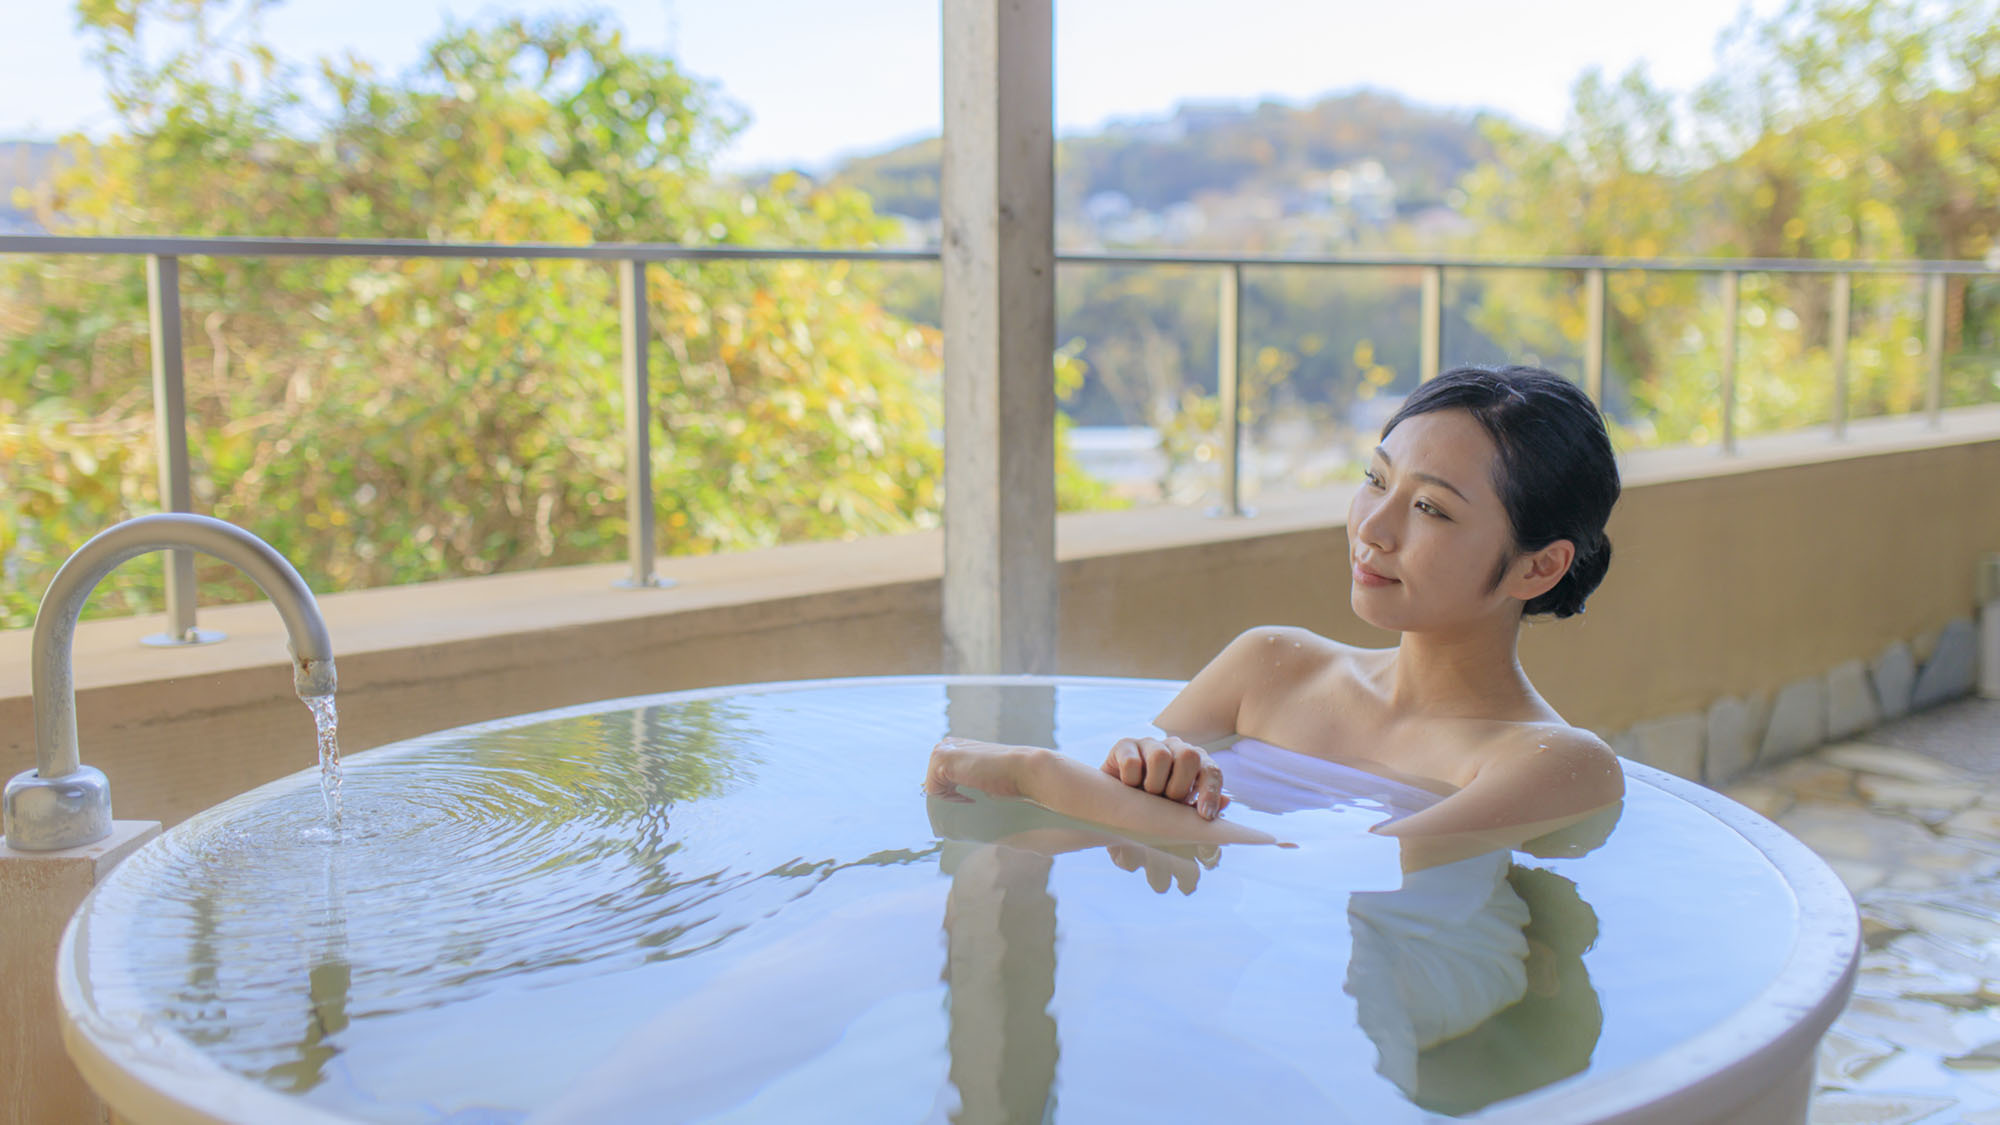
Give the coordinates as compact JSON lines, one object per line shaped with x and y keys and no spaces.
{"x":821,"y":79}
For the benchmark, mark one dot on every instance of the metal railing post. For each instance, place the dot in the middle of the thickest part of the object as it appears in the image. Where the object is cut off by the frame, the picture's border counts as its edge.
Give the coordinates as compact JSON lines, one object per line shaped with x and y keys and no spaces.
{"x":1731,"y":312}
{"x":1934,"y":344}
{"x":1430,"y":348}
{"x":633,"y":336}
{"x":1228,"y":386}
{"x":163,"y":312}
{"x":1593,"y":335}
{"x":1843,"y":308}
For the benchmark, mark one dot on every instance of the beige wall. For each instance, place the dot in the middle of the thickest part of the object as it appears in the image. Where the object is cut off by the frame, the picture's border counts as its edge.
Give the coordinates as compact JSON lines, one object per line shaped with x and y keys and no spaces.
{"x":1729,"y":577}
{"x":1729,"y":585}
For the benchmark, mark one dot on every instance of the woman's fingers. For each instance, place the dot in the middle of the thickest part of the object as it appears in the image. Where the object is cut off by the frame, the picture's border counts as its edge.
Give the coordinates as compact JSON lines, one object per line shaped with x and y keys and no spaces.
{"x":935,"y":781}
{"x":1132,"y":763}
{"x":1208,"y":799}
{"x":1126,"y":762}
{"x":941,"y":774}
{"x":1195,"y":779}
{"x":1159,"y":764}
{"x":1187,"y":763}
{"x":1170,"y":767}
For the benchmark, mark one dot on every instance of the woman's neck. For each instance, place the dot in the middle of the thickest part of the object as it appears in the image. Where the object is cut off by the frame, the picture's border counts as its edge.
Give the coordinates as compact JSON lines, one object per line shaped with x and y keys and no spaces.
{"x":1466,"y":674}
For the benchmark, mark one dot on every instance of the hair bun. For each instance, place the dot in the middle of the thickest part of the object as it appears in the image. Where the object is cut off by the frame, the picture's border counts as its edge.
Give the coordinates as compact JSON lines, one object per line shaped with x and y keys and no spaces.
{"x":1566,"y":597}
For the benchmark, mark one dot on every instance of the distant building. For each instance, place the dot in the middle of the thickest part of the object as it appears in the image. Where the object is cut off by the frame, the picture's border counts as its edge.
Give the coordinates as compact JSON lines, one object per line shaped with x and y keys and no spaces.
{"x":1106,"y":207}
{"x":1182,"y":223}
{"x":1364,"y":191}
{"x":1203,"y":116}
{"x":916,"y":233}
{"x":1438,"y":223}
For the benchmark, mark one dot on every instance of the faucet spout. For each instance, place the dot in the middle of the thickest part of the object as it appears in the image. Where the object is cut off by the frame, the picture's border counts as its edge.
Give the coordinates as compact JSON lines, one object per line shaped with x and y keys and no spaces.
{"x":62,"y":803}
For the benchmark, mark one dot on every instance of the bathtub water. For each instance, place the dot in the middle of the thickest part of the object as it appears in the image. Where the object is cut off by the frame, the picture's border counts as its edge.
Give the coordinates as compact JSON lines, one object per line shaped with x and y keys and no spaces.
{"x":738,"y":906}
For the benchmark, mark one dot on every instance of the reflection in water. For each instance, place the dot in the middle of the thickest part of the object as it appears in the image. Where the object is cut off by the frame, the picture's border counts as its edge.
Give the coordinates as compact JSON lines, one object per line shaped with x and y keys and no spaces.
{"x":1470,"y":981}
{"x":543,"y":851}
{"x":1547,"y":1035}
{"x":777,"y":1009}
{"x":328,"y":986}
{"x":1000,"y":922}
{"x":1000,"y":926}
{"x":1468,"y":978}
{"x":1434,"y":958}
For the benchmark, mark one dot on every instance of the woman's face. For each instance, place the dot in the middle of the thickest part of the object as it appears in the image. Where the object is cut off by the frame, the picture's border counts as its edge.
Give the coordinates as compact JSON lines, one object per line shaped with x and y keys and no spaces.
{"x":1426,"y":532}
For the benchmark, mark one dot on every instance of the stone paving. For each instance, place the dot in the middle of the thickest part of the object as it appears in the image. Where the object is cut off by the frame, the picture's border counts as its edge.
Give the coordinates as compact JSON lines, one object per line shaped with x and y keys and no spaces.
{"x":1909,"y":815}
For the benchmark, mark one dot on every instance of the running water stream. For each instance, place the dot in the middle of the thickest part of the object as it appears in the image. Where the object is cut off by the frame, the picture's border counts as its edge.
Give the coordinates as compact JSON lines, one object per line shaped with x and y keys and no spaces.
{"x":328,"y":724}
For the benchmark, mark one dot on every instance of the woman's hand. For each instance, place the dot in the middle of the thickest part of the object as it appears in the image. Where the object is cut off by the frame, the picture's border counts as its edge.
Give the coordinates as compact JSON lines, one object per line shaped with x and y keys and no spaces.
{"x":991,"y":768}
{"x":1070,"y":788}
{"x":1172,"y":768}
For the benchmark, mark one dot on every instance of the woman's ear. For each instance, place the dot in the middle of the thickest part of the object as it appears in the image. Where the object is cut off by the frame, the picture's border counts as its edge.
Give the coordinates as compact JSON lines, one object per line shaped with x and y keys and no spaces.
{"x":1537,"y":572}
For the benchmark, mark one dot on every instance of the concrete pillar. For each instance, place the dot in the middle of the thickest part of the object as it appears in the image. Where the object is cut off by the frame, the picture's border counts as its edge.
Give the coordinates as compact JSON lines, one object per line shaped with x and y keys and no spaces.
{"x":38,"y":893}
{"x":999,"y":336}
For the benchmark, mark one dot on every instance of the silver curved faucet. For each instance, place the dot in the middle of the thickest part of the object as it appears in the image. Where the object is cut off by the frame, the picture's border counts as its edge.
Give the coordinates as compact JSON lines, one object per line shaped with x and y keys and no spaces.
{"x":62,"y":803}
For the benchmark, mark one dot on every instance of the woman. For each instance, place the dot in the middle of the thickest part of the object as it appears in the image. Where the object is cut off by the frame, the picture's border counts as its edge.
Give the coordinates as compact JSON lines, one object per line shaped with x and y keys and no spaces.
{"x":1484,"y":503}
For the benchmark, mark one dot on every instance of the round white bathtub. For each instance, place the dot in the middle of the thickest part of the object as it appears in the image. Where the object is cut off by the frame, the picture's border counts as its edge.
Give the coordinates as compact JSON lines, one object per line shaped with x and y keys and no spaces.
{"x":737,"y":905}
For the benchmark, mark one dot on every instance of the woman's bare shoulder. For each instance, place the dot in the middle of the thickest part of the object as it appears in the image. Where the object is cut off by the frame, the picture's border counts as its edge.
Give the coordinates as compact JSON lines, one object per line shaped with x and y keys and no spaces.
{"x":1560,"y":752}
{"x":1289,"y":644}
{"x":1273,"y":661}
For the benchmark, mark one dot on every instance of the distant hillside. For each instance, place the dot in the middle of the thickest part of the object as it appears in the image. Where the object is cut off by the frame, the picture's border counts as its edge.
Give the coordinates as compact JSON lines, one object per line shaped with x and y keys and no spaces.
{"x":23,"y":164}
{"x":1226,"y":148}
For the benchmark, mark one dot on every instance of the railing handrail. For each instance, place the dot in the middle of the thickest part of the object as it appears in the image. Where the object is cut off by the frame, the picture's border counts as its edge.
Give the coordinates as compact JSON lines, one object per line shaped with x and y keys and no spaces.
{"x":239,"y":247}
{"x":244,"y":247}
{"x":1560,"y":262}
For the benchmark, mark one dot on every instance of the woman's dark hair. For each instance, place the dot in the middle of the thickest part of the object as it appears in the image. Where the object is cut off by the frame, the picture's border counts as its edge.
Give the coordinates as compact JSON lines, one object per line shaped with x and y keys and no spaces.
{"x":1557,"y":476}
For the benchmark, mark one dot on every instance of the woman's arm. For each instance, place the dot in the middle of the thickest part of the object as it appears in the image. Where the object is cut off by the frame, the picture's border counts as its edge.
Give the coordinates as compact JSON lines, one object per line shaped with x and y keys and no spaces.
{"x":1062,"y":784}
{"x":1539,"y":786}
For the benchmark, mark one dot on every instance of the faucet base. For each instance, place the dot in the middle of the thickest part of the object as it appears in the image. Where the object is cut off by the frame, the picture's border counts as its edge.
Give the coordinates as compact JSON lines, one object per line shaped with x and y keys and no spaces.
{"x":181,"y":640}
{"x":43,"y":814}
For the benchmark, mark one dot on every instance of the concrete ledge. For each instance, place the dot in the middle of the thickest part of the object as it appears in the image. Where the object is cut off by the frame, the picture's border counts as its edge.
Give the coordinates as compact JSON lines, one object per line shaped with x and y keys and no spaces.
{"x":1732,"y":576}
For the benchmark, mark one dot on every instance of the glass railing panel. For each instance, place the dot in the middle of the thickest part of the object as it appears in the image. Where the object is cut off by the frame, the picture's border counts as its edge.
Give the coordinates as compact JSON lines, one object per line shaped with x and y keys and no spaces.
{"x":76,"y":423}
{"x":1972,"y":350}
{"x":1886,"y":350}
{"x":383,"y":421}
{"x":1784,"y":363}
{"x":1137,"y":377}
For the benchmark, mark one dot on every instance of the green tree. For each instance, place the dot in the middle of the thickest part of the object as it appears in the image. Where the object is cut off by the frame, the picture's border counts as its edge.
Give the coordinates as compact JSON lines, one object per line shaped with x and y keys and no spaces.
{"x":1833,"y":130}
{"x":391,"y":420}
